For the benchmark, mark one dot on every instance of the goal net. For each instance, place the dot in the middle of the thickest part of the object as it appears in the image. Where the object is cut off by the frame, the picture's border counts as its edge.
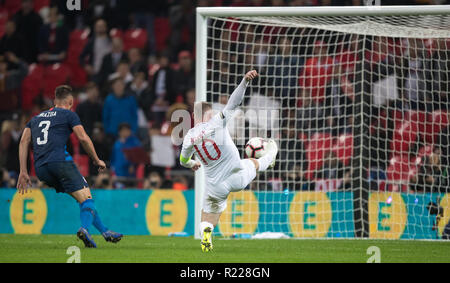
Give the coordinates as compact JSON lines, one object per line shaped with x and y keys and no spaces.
{"x":357,"y":100}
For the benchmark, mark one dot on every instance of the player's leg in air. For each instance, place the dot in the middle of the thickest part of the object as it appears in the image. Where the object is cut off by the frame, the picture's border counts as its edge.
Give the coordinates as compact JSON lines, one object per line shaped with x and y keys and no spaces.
{"x":89,"y":216}
{"x":214,"y":205}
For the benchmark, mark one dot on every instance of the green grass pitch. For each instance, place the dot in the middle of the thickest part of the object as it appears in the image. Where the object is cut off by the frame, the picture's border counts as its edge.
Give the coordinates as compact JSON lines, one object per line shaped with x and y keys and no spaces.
{"x":53,"y":248}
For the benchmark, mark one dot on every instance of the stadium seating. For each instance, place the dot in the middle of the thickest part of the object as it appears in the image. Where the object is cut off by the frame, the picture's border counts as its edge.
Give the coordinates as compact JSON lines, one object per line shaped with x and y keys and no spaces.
{"x":77,"y":41}
{"x":162,"y":33}
{"x":344,"y":148}
{"x":399,"y":172}
{"x":140,"y":175}
{"x":429,"y":124}
{"x":316,"y":148}
{"x":82,"y":162}
{"x":439,"y":120}
{"x":115,"y":32}
{"x":39,"y":4}
{"x":32,"y":85}
{"x":421,"y":119}
{"x":12,"y":6}
{"x":135,"y":38}
{"x":54,"y":75}
{"x":405,"y":134}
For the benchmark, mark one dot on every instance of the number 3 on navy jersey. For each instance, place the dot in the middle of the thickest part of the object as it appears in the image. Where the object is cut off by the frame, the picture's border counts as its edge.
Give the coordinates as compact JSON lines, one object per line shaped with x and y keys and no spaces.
{"x":45,"y":125}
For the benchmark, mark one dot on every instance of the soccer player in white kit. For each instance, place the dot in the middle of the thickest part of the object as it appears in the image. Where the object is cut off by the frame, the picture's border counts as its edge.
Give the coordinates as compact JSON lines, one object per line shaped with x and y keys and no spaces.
{"x":225,"y":172}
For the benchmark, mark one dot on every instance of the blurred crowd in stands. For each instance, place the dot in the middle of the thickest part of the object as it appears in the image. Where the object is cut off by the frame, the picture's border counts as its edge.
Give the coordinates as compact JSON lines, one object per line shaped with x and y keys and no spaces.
{"x":131,"y":64}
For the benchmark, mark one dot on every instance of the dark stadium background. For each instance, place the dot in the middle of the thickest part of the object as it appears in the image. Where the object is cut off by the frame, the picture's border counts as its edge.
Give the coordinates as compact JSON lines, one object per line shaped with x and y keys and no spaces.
{"x":43,"y":44}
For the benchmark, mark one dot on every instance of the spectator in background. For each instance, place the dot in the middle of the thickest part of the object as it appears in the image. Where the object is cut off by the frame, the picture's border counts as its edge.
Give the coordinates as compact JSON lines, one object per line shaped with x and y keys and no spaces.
{"x":11,"y":132}
{"x":185,"y":75}
{"x":155,"y":181}
{"x":432,"y":176}
{"x":316,"y":73}
{"x":102,"y":146}
{"x":143,"y":14}
{"x":180,"y":183}
{"x":53,"y":39}
{"x":417,"y":76}
{"x":440,"y":66}
{"x":379,"y":64}
{"x":182,"y":22}
{"x":111,"y":61}
{"x":28,"y":24}
{"x":121,"y":166}
{"x":97,"y":9}
{"x":136,"y":61}
{"x":122,"y":72}
{"x":118,"y":108}
{"x":13,"y":41}
{"x":164,"y":88}
{"x":311,"y":115}
{"x":11,"y":81}
{"x":338,"y":103}
{"x":291,"y":148}
{"x":294,"y":179}
{"x":426,"y":178}
{"x":283,"y":70}
{"x":6,"y":180}
{"x":333,"y":168}
{"x":90,"y":110}
{"x":140,"y":89}
{"x":292,"y":160}
{"x":97,"y":47}
{"x":103,"y":180}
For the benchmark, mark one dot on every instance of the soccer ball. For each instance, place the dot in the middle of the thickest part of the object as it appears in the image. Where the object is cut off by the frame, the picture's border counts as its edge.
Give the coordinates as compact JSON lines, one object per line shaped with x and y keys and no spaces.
{"x":255,"y":147}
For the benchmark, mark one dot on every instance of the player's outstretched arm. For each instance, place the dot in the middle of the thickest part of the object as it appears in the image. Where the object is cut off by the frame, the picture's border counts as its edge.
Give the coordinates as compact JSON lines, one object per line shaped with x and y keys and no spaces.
{"x":88,"y":146}
{"x":238,"y":94}
{"x":187,"y":150}
{"x":24,"y":180}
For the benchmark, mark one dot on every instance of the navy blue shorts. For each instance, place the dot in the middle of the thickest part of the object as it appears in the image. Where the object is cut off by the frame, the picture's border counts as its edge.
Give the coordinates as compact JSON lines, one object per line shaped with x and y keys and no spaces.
{"x":63,"y":176}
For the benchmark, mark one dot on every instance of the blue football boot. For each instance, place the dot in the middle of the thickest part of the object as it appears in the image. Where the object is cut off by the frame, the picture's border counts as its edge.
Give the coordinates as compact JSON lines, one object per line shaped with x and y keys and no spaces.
{"x":111,"y":236}
{"x":84,"y":235}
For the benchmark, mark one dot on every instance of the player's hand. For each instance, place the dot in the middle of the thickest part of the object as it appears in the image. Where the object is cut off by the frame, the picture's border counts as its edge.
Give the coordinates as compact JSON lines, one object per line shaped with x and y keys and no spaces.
{"x":101,"y":165}
{"x":23,"y":183}
{"x":196,"y":166}
{"x":251,"y":75}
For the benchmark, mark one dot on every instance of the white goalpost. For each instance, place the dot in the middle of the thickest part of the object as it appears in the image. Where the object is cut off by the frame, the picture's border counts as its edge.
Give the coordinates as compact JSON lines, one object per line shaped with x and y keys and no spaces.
{"x":358,"y":100}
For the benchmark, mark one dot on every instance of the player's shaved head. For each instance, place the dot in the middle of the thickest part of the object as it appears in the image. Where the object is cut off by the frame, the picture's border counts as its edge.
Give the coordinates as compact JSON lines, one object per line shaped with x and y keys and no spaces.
{"x":63,"y":91}
{"x":63,"y":96}
{"x":200,"y":109}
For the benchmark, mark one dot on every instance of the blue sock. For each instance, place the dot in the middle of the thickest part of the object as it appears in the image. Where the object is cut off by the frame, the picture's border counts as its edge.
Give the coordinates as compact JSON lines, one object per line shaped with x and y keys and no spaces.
{"x":98,"y":223}
{"x":87,"y":213}
{"x":89,"y":216}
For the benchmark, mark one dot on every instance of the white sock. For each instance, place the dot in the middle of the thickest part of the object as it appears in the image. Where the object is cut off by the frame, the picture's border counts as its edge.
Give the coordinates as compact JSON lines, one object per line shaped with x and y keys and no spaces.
{"x":265,"y":161}
{"x":204,"y":225}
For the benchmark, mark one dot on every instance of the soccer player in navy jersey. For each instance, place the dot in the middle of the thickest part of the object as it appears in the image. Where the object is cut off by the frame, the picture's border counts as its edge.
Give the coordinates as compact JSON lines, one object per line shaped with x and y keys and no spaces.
{"x":48,"y":132}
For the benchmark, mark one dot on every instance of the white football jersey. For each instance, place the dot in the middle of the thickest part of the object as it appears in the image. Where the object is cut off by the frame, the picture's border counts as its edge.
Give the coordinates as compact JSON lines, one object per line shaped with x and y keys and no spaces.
{"x":212,"y":144}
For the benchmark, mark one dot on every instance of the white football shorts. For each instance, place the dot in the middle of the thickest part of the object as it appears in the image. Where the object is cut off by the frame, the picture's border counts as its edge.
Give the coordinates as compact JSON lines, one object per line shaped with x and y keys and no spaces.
{"x":215,"y":195}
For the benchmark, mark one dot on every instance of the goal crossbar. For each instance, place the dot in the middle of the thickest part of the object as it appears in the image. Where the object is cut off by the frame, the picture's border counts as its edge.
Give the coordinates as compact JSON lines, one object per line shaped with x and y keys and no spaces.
{"x":322,"y":11}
